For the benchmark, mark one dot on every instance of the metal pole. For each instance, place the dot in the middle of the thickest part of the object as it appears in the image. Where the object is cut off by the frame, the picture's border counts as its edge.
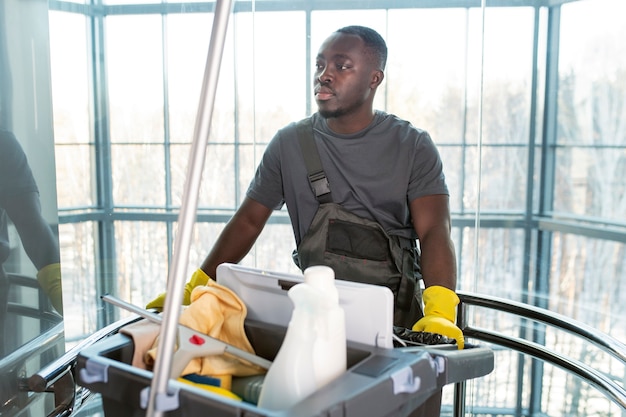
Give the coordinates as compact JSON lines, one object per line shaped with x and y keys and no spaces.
{"x":186,"y":219}
{"x":460,"y":388}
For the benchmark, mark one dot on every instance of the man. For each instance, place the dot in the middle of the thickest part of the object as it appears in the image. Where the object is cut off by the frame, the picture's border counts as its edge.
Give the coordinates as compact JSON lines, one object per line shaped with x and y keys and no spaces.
{"x":382,"y":172}
{"x":378,"y":166}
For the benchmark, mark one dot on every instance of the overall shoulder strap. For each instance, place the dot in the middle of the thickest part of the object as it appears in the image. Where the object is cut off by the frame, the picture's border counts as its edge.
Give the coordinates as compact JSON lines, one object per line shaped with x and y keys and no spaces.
{"x":317,"y":177}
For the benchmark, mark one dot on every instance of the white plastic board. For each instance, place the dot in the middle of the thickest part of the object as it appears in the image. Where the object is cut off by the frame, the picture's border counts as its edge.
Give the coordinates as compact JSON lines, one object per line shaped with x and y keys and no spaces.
{"x":368,"y":308}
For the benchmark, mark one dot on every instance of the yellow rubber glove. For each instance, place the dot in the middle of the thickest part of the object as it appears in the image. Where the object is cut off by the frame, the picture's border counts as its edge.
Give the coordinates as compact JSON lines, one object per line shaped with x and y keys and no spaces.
{"x":49,"y":278}
{"x":439,"y":314}
{"x":199,"y":277}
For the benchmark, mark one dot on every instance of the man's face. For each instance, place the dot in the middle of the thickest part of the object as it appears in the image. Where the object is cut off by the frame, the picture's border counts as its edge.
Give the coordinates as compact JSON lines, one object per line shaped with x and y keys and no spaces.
{"x":345,"y":76}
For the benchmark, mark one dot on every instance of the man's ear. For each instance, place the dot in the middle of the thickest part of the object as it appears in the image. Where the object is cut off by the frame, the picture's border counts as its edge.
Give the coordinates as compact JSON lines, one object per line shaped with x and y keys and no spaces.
{"x":377,"y":78}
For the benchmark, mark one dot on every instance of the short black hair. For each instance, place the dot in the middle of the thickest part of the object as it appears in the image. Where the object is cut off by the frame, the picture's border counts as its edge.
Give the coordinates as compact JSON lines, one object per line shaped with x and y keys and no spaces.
{"x":372,"y":40}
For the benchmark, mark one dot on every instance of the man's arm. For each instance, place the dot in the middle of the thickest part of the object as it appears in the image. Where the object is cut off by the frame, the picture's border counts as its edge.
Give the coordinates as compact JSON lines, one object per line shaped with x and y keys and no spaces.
{"x":238,"y":236}
{"x":431,"y":219}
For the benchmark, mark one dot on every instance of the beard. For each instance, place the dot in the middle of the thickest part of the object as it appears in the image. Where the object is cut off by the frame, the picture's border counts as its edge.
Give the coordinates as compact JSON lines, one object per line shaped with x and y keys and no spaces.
{"x":331,"y":114}
{"x":339,"y":111}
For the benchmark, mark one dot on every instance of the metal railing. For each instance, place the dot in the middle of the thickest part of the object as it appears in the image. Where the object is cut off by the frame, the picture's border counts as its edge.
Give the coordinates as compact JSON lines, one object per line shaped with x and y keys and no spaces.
{"x":615,"y":392}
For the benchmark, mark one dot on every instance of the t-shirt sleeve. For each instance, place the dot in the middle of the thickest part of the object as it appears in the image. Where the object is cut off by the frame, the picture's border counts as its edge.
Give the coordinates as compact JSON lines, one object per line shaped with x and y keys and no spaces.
{"x":266,"y":186}
{"x":427,"y":177}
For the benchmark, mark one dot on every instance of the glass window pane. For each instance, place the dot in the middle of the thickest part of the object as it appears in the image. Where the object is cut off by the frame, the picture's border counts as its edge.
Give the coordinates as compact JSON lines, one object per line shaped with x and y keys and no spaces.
{"x":188,"y":37}
{"x":592,"y":64}
{"x":138,"y":175}
{"x":571,"y":396}
{"x":500,"y":261}
{"x":75,"y":172}
{"x":135,"y":78}
{"x":503,"y":185}
{"x":507,"y":71}
{"x":576,"y":289}
{"x":77,"y":242}
{"x":425,"y":75}
{"x":70,"y":96}
{"x":278,"y":71}
{"x":219,"y":177}
{"x":590,"y":175}
{"x":591,"y":182}
{"x":142,"y":271}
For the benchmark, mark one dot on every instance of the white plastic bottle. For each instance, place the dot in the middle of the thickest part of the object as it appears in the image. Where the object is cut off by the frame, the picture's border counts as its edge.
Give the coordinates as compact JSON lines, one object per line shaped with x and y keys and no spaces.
{"x":329,"y":349}
{"x":314,"y":350}
{"x":291,"y":376}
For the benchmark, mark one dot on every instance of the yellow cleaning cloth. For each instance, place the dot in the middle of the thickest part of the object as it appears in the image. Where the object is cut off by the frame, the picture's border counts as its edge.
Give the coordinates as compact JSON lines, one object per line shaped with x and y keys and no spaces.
{"x":217,"y":312}
{"x":143,"y":333}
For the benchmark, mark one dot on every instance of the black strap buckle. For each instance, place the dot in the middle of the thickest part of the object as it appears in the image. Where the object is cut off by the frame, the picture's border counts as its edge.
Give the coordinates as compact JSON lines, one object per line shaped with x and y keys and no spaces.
{"x":319,"y":183}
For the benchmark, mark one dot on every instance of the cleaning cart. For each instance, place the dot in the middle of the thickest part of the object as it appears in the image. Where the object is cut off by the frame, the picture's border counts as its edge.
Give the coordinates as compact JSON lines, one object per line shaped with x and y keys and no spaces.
{"x":380,"y":380}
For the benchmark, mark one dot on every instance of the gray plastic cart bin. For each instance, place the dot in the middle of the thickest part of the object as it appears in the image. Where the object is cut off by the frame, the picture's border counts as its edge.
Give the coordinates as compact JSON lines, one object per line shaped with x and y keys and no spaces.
{"x":379,"y":381}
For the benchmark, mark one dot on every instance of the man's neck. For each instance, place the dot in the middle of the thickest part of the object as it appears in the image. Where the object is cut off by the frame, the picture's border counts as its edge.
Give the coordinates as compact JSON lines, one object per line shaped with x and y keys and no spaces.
{"x":347,"y":124}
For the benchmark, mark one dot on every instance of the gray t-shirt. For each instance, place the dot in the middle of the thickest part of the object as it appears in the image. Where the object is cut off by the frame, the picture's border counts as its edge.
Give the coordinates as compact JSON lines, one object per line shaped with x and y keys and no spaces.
{"x":373,"y":173}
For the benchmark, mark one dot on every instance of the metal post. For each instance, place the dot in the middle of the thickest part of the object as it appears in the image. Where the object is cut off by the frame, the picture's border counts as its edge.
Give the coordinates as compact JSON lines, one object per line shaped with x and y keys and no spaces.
{"x":177,"y":273}
{"x":460,"y":388}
